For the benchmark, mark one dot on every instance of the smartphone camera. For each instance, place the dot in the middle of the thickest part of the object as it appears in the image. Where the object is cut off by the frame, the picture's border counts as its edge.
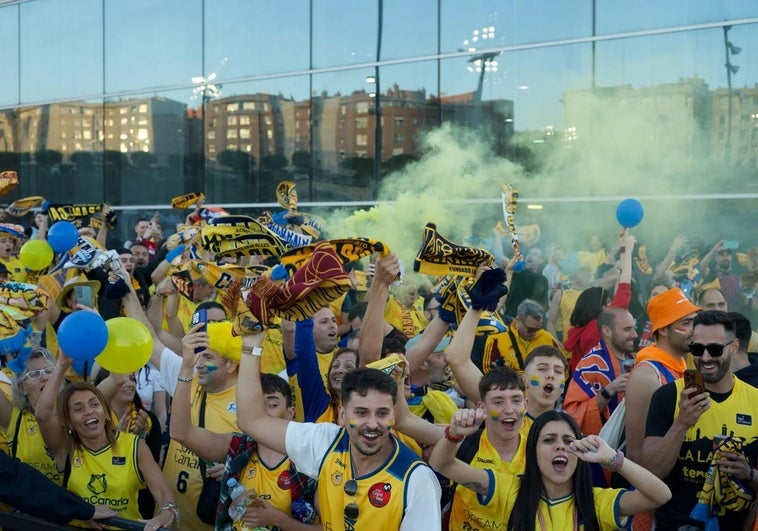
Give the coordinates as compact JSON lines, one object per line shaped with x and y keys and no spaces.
{"x":694,"y":379}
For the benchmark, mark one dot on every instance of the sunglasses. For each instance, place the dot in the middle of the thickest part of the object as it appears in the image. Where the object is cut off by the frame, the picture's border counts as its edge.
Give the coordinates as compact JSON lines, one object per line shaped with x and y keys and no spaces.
{"x":37,"y":374}
{"x":351,"y":509}
{"x":716,"y":350}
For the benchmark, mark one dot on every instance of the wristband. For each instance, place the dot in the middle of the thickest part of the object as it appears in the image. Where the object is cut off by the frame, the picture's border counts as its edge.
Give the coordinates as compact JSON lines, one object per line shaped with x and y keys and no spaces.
{"x":172,"y":508}
{"x":184,"y":378}
{"x":453,"y":438}
{"x":255,"y":351}
{"x":605,"y":394}
{"x":614,"y":465}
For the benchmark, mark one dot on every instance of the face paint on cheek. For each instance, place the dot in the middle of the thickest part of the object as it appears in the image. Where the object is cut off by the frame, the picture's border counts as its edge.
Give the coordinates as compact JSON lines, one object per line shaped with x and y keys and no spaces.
{"x":210,"y":367}
{"x":680,"y":330}
{"x":352,"y":423}
{"x":562,"y":386}
{"x":389,"y":426}
{"x":534,"y":381}
{"x":495,"y":415}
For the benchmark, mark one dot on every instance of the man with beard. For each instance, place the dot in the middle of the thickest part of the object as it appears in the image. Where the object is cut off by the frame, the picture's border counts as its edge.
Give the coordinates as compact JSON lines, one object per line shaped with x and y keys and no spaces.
{"x":599,"y":381}
{"x":722,"y":276}
{"x":686,"y":424}
{"x":671,"y":315}
{"x":367,"y":478}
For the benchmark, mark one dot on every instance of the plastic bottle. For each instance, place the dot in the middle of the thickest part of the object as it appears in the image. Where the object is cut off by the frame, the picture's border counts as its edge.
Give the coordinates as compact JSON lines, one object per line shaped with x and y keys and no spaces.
{"x":239,"y":499}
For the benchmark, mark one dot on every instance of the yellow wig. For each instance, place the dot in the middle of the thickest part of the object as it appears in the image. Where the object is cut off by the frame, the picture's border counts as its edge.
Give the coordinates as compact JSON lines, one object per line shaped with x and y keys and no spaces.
{"x":221,"y":340}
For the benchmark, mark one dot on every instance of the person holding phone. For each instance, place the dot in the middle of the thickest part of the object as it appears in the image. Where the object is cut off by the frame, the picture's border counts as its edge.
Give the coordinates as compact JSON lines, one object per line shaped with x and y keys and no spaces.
{"x":685,"y":426}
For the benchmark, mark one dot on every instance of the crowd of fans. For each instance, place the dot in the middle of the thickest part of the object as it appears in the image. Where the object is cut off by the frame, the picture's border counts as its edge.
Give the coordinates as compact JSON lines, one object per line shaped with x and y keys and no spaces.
{"x":596,"y":389}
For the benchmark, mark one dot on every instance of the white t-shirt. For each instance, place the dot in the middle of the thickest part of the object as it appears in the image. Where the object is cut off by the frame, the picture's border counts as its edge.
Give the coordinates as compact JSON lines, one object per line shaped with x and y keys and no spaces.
{"x":307,"y":443}
{"x":171,"y":365}
{"x":148,"y":382}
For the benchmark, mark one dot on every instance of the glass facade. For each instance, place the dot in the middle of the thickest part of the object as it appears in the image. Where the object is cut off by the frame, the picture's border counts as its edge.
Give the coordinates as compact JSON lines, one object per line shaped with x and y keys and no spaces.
{"x":133,"y":103}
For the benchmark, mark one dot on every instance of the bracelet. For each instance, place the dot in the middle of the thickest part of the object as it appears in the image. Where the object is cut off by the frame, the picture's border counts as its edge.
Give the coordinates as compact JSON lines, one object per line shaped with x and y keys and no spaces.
{"x":455,"y":439}
{"x":605,"y":394}
{"x":614,"y":464}
{"x":184,"y":378}
{"x":254,"y":351}
{"x":172,"y":508}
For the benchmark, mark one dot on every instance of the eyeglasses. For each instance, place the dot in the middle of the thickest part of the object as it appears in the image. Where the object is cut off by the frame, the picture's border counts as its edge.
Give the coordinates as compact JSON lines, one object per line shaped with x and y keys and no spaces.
{"x":716,"y":350}
{"x":37,"y":374}
{"x":351,"y":509}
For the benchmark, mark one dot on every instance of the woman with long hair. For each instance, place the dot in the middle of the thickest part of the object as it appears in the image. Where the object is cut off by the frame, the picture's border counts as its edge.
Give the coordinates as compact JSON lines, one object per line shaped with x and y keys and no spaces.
{"x":99,"y":463}
{"x":555,"y":492}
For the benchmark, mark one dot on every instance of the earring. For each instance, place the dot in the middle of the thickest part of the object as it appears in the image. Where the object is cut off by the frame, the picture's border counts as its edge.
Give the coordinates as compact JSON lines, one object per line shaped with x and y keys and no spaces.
{"x":70,"y":432}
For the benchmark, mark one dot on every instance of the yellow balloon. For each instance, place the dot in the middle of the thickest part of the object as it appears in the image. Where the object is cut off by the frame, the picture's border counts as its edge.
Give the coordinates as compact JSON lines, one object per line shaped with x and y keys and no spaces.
{"x":129,"y":345}
{"x":36,"y":254}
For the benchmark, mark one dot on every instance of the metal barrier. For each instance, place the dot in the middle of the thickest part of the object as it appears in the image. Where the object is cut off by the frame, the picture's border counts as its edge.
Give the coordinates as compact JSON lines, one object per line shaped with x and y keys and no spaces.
{"x":22,"y":521}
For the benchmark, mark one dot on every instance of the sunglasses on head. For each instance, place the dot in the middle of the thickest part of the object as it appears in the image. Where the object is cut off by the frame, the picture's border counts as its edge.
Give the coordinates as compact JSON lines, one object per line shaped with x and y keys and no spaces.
{"x":351,"y":509}
{"x":37,"y":374}
{"x":716,"y":350}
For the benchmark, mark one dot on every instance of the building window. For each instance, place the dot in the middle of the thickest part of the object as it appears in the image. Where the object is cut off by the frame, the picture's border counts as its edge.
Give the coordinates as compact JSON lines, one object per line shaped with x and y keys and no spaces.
{"x":231,"y":120}
{"x":248,"y":105}
{"x":231,"y":107}
{"x":143,"y":107}
{"x":244,"y":120}
{"x":361,"y":123}
{"x":231,"y":133}
{"x":245,"y":134}
{"x":399,"y":121}
{"x":361,"y":139}
{"x":362,"y":107}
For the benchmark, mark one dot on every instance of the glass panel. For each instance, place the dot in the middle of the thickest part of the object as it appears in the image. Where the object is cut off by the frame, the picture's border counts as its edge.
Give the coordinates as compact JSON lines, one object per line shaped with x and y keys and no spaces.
{"x":149,"y":147}
{"x":9,"y":56}
{"x":241,"y":40}
{"x":409,"y":29}
{"x":478,"y":25}
{"x":61,"y":50}
{"x":252,"y":135}
{"x":152,"y":44}
{"x":344,"y":32}
{"x":59,"y":146}
{"x":615,"y":17}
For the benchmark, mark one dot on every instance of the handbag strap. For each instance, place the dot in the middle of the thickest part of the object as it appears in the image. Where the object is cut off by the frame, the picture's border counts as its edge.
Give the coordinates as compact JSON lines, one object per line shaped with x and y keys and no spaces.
{"x":516,"y":350}
{"x":201,"y":423}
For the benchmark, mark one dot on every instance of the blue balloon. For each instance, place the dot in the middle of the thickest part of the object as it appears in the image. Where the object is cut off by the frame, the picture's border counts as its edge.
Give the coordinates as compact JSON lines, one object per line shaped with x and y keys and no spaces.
{"x":629,"y":213}
{"x":82,"y":335}
{"x":62,"y":236}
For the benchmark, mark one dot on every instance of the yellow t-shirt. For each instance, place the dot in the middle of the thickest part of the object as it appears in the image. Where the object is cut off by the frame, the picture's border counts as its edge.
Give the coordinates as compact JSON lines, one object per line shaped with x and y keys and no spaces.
{"x":271,"y":484}
{"x":493,"y":510}
{"x":466,"y":510}
{"x":500,"y":346}
{"x":109,"y":476}
{"x":29,"y":445}
{"x":182,"y":467}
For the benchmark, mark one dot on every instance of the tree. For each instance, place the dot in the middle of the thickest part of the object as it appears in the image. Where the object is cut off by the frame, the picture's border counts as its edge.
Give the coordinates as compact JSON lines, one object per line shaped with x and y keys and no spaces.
{"x":82,"y":158}
{"x":239,"y":161}
{"x":47,"y":157}
{"x":301,"y":160}
{"x":360,"y":166}
{"x":274,"y":162}
{"x":398,"y":162}
{"x":142,"y":159}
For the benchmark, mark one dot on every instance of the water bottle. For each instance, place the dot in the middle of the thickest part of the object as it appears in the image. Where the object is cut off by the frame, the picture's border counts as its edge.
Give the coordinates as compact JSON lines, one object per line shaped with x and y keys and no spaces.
{"x":239,"y":499}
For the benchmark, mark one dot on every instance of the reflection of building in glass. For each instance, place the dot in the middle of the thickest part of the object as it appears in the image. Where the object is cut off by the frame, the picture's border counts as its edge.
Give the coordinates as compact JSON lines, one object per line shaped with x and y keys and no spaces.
{"x":744,"y":139}
{"x":687,"y":110}
{"x":681,"y":111}
{"x":145,"y":125}
{"x":343,"y":127}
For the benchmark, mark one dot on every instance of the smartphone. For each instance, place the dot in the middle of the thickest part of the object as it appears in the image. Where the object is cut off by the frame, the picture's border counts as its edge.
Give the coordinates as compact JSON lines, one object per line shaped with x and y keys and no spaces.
{"x":84,"y":296}
{"x":694,"y":379}
{"x":731,"y":244}
{"x":628,"y":365}
{"x":200,"y":316}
